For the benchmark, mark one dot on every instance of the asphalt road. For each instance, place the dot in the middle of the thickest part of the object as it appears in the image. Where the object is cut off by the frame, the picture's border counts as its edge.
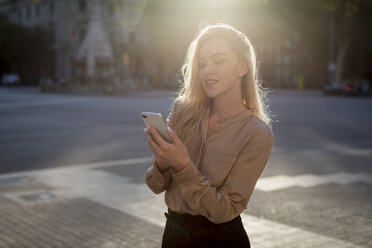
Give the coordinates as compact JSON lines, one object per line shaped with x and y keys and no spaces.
{"x":316,"y":183}
{"x":312,"y":133}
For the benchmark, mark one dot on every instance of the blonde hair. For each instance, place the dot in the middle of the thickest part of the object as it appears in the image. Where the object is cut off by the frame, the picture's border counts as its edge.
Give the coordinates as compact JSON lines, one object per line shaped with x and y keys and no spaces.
{"x":193,"y":104}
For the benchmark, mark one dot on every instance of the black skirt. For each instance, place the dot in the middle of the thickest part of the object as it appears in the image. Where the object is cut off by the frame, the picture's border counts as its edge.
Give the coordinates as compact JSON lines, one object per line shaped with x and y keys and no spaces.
{"x":185,"y":230}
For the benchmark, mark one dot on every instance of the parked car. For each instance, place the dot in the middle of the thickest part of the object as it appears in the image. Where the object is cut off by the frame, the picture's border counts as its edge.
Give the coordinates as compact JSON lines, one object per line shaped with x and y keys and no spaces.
{"x":365,"y":87}
{"x":336,"y":88}
{"x":10,"y":79}
{"x":353,"y":87}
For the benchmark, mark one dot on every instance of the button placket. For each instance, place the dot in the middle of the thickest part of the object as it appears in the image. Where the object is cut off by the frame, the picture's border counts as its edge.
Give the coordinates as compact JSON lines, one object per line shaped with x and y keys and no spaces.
{"x":200,"y":155}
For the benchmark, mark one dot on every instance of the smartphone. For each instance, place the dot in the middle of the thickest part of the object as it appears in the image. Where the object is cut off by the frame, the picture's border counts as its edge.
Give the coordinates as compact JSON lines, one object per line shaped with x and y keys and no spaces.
{"x":156,"y":120}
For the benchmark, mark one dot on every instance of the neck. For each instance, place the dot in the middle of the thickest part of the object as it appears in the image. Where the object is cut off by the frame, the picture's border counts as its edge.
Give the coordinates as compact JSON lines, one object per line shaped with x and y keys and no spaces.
{"x":224,"y":108}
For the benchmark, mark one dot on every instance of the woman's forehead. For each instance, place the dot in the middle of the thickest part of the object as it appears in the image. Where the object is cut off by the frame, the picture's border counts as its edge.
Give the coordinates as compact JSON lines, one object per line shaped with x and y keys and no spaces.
{"x":214,"y":47}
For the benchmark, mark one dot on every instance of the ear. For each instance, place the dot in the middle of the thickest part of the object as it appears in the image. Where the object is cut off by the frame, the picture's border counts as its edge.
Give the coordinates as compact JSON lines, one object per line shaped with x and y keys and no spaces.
{"x":243,"y":69}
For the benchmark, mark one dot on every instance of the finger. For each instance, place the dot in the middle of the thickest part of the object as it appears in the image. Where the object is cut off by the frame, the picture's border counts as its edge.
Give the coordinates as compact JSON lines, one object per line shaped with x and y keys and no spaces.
{"x":148,"y":137}
{"x":153,"y":145}
{"x":157,"y":137}
{"x":172,"y":134}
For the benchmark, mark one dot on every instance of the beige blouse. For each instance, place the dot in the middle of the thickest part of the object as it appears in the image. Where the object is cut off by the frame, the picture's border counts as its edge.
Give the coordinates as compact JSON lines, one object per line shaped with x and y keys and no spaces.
{"x":220,"y":177}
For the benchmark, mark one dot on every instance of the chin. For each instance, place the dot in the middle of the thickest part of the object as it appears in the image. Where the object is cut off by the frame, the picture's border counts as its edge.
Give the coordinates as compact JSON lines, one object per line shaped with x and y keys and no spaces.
{"x":213,"y":94}
{"x":216,"y":91}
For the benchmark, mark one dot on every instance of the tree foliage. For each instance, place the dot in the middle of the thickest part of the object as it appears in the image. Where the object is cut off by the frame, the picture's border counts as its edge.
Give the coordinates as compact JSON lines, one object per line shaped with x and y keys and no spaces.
{"x":314,"y":20}
{"x":25,"y":51}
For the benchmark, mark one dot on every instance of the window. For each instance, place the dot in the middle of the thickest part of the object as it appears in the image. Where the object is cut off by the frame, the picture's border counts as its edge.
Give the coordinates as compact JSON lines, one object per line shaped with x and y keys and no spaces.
{"x":28,"y":13}
{"x":51,"y":8}
{"x":82,"y":32}
{"x":82,"y":6}
{"x":37,"y":10}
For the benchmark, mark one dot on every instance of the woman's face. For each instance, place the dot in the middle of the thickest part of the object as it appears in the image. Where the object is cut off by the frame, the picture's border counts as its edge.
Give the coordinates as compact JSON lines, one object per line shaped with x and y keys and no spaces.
{"x":218,"y":69}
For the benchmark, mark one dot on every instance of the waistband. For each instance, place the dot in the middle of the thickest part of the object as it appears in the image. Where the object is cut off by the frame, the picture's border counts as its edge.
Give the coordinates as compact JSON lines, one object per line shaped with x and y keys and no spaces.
{"x":195,"y":219}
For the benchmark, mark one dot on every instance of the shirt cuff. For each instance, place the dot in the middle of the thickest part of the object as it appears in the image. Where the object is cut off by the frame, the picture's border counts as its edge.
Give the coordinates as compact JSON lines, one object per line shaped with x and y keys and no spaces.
{"x":168,"y":173}
{"x":187,"y":176}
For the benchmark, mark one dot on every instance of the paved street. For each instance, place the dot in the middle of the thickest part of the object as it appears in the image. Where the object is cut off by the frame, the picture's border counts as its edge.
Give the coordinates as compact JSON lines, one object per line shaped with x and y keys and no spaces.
{"x":72,"y":172}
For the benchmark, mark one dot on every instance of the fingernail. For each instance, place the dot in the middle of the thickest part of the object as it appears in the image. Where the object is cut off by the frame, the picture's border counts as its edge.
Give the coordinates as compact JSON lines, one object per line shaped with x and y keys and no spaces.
{"x":148,"y":126}
{"x":170,"y":129}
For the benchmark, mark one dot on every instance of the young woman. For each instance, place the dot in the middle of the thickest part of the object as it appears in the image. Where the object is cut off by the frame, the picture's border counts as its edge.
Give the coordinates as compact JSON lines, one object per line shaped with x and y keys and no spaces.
{"x":222,"y":139}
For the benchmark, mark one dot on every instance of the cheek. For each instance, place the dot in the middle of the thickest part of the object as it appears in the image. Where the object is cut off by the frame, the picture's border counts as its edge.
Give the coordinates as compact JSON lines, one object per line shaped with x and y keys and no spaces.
{"x":200,"y":73}
{"x":229,"y":72}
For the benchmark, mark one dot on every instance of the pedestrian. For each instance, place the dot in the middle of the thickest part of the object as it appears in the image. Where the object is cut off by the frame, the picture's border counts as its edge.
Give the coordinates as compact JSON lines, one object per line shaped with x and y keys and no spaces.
{"x":222,"y":138}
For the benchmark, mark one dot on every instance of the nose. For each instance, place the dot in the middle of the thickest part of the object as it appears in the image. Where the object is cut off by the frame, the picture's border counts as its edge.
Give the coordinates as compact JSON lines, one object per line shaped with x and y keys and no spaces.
{"x":208,"y":69}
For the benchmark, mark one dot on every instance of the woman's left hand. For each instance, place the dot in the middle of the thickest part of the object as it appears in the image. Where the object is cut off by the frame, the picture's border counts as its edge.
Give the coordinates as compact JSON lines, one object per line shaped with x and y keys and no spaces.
{"x":175,"y":154}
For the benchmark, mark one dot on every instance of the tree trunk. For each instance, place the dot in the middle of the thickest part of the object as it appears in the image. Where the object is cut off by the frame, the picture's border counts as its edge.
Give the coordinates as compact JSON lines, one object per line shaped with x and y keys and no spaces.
{"x":340,"y":59}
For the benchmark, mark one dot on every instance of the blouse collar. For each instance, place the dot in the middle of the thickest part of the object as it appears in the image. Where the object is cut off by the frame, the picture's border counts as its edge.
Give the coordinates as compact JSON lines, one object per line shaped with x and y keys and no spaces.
{"x":237,"y":117}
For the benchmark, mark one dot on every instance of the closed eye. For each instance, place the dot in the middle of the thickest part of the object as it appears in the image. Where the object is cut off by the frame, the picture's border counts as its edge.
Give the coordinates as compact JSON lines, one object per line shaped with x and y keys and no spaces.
{"x":201,"y":64}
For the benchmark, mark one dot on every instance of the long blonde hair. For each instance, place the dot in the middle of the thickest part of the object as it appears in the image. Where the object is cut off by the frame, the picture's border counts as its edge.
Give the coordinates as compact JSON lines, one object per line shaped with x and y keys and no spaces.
{"x":192,"y":103}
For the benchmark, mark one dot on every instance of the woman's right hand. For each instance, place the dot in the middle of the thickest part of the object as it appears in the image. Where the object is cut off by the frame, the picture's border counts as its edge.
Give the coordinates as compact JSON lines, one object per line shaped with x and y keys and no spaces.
{"x":162,"y":166}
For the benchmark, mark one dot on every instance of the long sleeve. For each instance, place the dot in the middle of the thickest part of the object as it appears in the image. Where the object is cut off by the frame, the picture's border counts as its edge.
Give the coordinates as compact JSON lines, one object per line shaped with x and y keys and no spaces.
{"x":222,"y":204}
{"x":157,"y":181}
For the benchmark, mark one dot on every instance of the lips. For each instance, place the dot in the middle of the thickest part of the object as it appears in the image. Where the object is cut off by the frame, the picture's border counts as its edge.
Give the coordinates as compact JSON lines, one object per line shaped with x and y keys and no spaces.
{"x":210,"y":82}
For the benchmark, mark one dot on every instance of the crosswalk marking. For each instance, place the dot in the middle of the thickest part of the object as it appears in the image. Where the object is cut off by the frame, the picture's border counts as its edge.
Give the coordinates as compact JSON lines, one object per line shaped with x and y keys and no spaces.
{"x":310,"y":180}
{"x":261,"y":232}
{"x":277,"y":182}
{"x":124,"y":162}
{"x":137,"y":200}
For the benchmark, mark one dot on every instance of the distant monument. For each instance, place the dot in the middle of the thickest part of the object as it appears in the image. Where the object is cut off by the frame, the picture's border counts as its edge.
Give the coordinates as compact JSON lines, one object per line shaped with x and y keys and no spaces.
{"x":94,"y":58}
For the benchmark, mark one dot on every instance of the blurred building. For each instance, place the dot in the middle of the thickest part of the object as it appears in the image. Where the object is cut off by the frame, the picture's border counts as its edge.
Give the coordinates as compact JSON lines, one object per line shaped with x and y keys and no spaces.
{"x":95,"y":41}
{"x":142,"y":43}
{"x":279,"y":48}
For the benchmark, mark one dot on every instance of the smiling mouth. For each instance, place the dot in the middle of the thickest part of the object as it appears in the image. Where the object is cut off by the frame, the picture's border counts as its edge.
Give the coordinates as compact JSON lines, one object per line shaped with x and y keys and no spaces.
{"x":211,"y":82}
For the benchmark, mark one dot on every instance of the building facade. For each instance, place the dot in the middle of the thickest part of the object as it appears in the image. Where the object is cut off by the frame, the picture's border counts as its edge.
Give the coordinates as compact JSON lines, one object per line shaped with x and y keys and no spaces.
{"x":95,"y":41}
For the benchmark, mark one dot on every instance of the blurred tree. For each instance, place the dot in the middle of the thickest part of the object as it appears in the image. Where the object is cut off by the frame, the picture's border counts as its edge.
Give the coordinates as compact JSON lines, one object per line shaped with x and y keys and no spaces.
{"x":300,"y":30}
{"x":27,"y":52}
{"x":327,"y":28}
{"x":292,"y":37}
{"x":351,"y":21}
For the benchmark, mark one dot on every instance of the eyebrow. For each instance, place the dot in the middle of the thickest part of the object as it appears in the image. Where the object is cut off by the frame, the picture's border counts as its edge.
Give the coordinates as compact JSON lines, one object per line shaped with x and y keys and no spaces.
{"x":215,"y":54}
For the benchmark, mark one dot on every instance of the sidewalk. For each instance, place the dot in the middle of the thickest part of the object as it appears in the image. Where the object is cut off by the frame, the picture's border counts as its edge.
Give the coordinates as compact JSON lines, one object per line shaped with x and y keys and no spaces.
{"x":95,"y":206}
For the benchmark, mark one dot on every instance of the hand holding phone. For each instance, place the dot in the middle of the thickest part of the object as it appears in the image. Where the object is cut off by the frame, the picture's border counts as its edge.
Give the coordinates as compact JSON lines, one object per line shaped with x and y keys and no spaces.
{"x":156,"y":120}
